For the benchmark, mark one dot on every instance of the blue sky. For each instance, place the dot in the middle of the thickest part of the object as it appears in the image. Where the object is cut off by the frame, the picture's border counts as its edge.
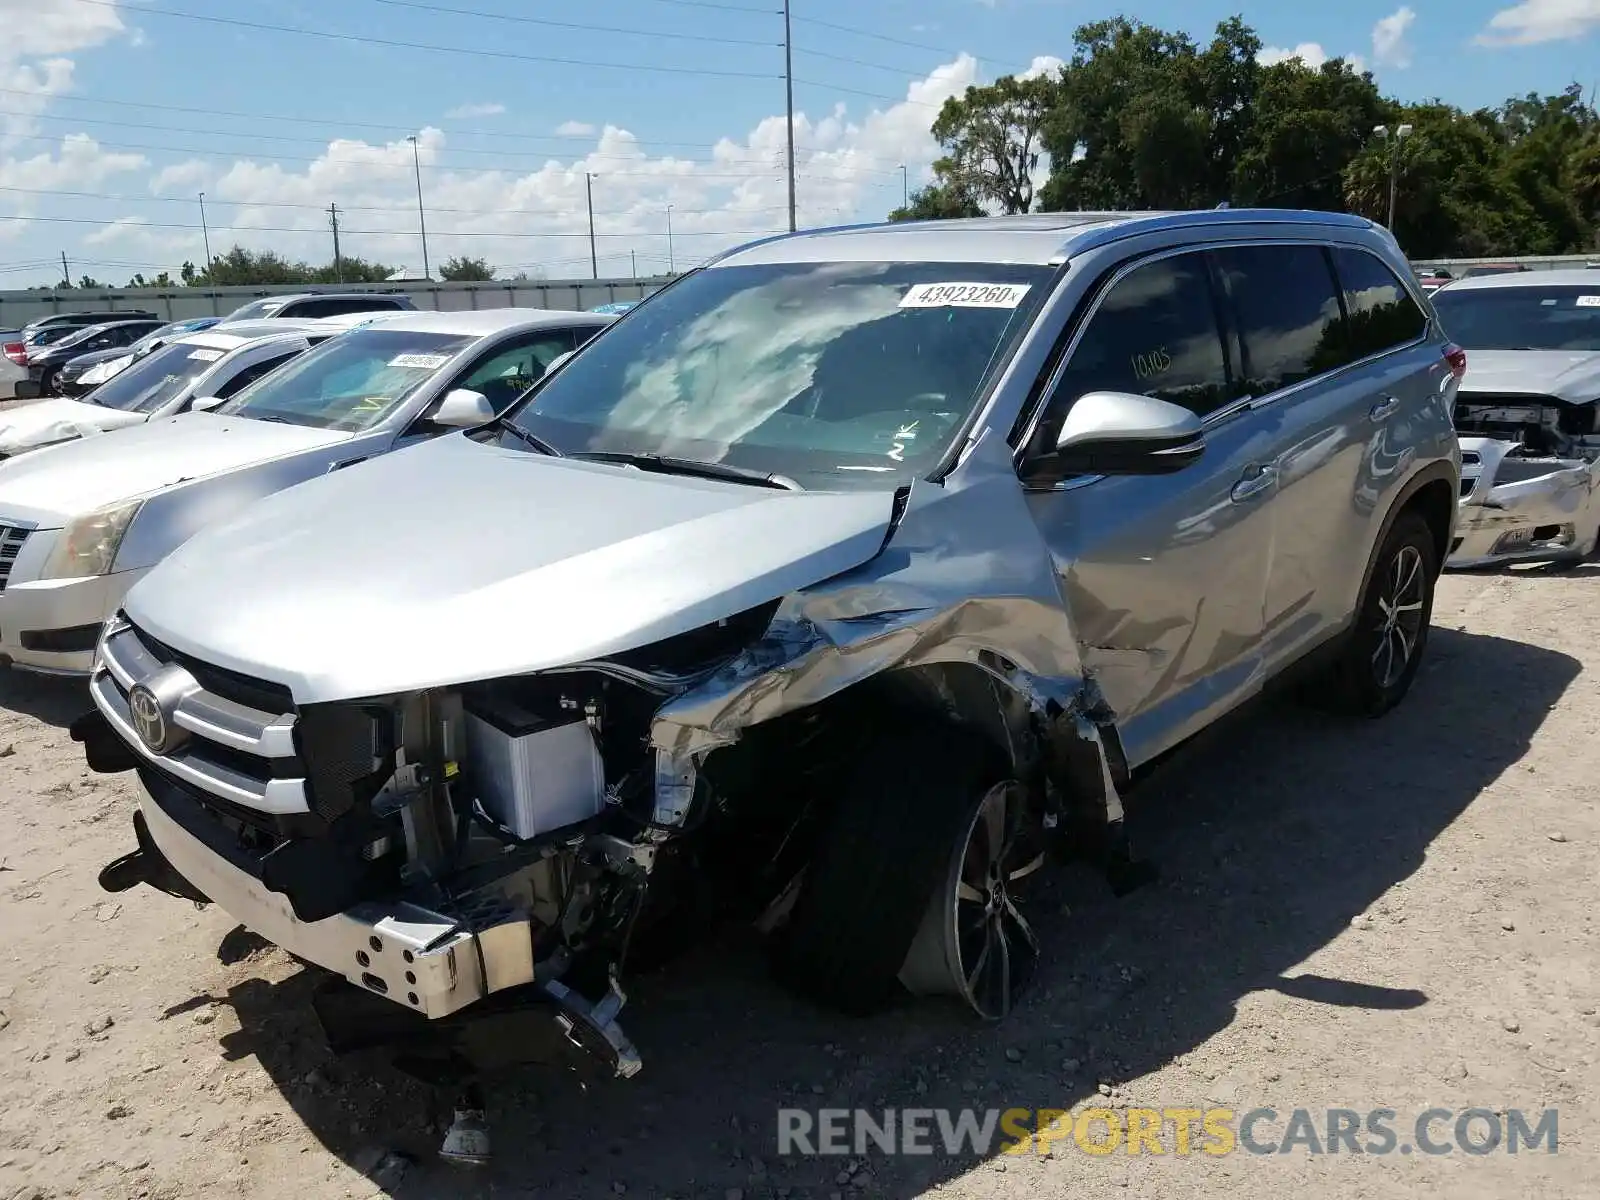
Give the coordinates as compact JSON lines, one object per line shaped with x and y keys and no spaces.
{"x":115,"y":115}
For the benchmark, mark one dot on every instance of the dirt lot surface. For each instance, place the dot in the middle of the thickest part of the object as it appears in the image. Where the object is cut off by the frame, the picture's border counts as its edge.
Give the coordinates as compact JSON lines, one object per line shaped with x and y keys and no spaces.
{"x":1397,"y":914}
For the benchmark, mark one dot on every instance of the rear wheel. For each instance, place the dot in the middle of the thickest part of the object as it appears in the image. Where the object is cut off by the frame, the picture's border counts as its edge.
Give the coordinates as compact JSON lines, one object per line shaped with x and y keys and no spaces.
{"x":1384,"y":650}
{"x":47,"y":383}
{"x":913,"y":885}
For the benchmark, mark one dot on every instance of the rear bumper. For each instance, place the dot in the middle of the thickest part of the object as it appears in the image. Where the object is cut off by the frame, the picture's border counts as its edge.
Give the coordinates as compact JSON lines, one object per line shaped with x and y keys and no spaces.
{"x":49,"y":626}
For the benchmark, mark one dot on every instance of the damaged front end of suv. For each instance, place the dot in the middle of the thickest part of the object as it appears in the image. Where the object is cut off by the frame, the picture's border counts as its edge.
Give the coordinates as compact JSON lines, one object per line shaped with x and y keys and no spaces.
{"x":532,"y":835}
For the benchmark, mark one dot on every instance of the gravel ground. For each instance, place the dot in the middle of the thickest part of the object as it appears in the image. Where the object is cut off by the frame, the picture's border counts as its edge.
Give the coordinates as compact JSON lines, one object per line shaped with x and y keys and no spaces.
{"x":1393,"y":914}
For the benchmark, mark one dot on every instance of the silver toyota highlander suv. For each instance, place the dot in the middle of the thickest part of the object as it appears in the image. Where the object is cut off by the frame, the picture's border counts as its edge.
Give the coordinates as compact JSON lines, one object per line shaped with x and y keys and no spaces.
{"x":835,"y":588}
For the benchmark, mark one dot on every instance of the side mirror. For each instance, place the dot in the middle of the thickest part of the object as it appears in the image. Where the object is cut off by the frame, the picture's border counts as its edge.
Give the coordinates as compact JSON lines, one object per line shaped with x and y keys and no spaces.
{"x":1118,"y":433}
{"x":205,"y":403}
{"x":463,"y":408}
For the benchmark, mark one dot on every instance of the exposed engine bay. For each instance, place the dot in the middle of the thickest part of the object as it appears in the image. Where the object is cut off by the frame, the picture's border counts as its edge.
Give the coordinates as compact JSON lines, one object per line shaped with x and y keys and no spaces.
{"x":1542,"y":426}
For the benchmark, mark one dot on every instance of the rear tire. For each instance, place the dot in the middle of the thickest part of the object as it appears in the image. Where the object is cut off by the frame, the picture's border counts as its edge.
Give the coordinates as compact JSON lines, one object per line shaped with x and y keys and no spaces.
{"x":882,"y":869}
{"x":1384,"y":650}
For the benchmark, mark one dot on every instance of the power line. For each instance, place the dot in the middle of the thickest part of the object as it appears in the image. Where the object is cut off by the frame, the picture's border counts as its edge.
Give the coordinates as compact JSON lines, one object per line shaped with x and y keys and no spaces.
{"x":345,"y":125}
{"x":396,"y":44}
{"x":395,"y":208}
{"x":444,"y":233}
{"x":574,"y":25}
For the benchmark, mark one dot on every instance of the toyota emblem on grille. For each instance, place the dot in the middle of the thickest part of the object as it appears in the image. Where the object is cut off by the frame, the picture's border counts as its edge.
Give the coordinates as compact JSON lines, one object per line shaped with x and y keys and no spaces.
{"x":149,"y":722}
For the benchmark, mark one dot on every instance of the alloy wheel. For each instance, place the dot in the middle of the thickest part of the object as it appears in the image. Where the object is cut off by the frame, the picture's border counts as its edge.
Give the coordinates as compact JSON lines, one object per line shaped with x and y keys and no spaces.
{"x":974,"y":942}
{"x":1399,"y":617}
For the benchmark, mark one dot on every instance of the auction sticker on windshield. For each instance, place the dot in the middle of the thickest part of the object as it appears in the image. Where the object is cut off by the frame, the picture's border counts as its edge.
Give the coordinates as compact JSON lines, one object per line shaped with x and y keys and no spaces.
{"x":964,"y":295}
{"x":1589,"y":301}
{"x":204,"y":355}
{"x":423,"y":362}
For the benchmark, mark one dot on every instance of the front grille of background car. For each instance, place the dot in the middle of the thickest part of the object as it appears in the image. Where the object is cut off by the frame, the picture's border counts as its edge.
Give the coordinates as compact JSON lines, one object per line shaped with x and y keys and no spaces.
{"x":12,"y":538}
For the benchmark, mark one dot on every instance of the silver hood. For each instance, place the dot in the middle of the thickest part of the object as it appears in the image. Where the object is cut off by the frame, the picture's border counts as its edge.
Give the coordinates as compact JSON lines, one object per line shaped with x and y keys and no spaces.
{"x":49,"y":421}
{"x":454,"y":561}
{"x":61,"y":482}
{"x":1571,"y":375}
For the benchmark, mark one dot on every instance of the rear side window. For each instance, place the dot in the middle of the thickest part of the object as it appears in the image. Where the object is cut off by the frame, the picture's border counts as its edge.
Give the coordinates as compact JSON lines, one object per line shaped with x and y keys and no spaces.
{"x":1286,"y":308}
{"x":1382,"y":314}
{"x":1154,"y":334}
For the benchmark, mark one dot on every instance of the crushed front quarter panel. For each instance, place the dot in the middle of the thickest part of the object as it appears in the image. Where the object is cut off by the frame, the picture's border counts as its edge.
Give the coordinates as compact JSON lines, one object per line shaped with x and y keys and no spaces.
{"x":1524,"y":509}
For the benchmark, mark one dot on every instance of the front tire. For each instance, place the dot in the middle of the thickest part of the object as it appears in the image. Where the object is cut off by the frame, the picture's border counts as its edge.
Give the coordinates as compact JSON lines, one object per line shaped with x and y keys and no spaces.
{"x":912,"y":880}
{"x":1384,"y":650}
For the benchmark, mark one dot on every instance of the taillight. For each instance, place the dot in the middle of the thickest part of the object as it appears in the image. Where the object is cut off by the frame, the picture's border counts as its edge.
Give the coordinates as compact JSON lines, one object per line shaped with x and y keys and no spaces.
{"x":17,"y":353}
{"x":1457,"y":358}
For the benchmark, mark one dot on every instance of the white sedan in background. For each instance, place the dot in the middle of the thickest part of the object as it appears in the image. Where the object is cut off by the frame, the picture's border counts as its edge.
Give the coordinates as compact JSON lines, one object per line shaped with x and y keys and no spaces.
{"x":215,"y":362}
{"x":81,"y":522}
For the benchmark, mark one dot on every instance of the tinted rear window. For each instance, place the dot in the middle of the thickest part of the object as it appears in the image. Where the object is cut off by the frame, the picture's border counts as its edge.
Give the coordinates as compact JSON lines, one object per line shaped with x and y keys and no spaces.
{"x":1382,"y":313}
{"x":1286,"y":310}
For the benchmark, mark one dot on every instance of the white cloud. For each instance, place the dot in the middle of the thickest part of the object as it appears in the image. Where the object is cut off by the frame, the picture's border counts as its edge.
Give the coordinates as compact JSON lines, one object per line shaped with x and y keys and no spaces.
{"x":1043,"y":64}
{"x":79,"y":162}
{"x":464,"y":112}
{"x":1535,"y":21}
{"x":575,"y":129}
{"x":1389,"y":45}
{"x":848,"y":166}
{"x":36,"y":28}
{"x":188,"y":176}
{"x":1310,"y":53}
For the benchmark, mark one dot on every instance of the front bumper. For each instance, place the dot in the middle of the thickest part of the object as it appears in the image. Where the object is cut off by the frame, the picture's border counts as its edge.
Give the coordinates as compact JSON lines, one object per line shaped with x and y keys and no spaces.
{"x":429,"y":963}
{"x":49,"y":626}
{"x":1525,"y":510}
{"x":423,"y":960}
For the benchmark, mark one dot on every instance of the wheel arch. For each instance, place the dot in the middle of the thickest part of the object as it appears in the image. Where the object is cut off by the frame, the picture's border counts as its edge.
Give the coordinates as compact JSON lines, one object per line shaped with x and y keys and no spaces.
{"x":1431,"y":493}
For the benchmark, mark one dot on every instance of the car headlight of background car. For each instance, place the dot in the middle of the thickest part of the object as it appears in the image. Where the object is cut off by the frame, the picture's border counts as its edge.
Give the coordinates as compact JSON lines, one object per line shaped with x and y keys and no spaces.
{"x":88,"y":544}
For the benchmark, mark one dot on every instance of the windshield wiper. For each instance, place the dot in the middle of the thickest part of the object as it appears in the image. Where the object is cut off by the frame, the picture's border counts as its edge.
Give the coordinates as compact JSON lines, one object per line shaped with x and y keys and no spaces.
{"x":668,"y":465}
{"x":532,"y":440}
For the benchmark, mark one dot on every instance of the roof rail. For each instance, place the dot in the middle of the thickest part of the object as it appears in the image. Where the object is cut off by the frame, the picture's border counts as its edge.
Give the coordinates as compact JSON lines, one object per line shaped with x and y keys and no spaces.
{"x":1093,"y":236}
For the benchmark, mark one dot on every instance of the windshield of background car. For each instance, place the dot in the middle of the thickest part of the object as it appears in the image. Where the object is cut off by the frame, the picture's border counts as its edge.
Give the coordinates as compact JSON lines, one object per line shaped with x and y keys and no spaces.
{"x":836,"y":374}
{"x":1521,"y":318}
{"x":160,"y":376}
{"x":255,"y":310}
{"x":350,"y":382}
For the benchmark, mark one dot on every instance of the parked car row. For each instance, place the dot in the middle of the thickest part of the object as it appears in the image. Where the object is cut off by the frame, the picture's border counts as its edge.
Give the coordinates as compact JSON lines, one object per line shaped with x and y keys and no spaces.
{"x":59,"y":350}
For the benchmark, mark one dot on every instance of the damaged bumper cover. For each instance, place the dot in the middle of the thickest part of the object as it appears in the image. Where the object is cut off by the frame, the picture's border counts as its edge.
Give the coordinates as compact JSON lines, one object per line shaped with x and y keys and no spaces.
{"x":1517,"y":508}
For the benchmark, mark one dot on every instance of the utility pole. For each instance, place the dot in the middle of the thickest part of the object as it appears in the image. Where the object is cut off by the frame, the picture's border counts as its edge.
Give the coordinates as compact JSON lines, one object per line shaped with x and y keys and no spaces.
{"x":422,"y":221}
{"x":905,"y":187}
{"x":588,"y":191}
{"x":204,"y":231}
{"x":633,"y":262}
{"x":788,"y":88}
{"x":671,"y":270}
{"x":66,"y":272}
{"x":338,"y":267}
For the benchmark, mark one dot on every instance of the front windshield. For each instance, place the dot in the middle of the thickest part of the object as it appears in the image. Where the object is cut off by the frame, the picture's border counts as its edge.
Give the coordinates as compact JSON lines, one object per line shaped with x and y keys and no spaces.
{"x":256,"y":309}
{"x":834,"y":374}
{"x":350,"y":382}
{"x":158,"y":377}
{"x":1522,"y":318}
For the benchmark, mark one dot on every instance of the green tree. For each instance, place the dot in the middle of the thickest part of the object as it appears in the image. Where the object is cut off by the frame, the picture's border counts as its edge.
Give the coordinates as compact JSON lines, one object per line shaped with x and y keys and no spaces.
{"x":349,"y":270}
{"x":939,"y":201}
{"x":1309,"y":123}
{"x":991,"y":139}
{"x":461,"y":269}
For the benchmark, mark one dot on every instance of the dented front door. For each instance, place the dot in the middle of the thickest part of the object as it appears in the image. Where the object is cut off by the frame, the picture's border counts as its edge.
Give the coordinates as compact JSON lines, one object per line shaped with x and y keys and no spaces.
{"x":1165,"y":576}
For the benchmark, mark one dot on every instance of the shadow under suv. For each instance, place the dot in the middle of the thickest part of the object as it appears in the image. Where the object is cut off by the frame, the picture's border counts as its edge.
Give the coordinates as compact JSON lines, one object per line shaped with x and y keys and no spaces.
{"x":829,"y":589}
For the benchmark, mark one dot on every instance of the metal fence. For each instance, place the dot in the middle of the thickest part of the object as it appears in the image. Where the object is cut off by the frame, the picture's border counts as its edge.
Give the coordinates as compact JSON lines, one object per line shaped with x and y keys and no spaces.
{"x":184,"y":303}
{"x":1553,"y":262}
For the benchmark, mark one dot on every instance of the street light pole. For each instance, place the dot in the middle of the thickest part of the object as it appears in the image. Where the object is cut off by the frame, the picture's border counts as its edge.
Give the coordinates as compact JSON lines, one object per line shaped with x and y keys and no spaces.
{"x":905,"y":187}
{"x":422,"y":221}
{"x":204,"y":231}
{"x":1401,"y":132}
{"x":671,"y":267}
{"x":588,"y":192}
